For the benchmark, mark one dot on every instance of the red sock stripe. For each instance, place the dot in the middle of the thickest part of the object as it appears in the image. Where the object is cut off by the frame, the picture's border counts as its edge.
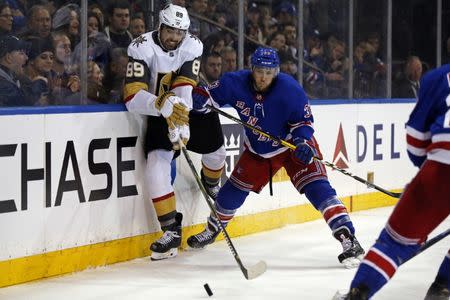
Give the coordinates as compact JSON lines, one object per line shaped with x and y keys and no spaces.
{"x":332,"y":211}
{"x":225,"y":218}
{"x":385,"y":265}
{"x":163,"y":197}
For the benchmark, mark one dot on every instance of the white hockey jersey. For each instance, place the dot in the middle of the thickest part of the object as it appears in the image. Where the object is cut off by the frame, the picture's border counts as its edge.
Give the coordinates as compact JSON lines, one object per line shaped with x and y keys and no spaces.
{"x":152,"y":70}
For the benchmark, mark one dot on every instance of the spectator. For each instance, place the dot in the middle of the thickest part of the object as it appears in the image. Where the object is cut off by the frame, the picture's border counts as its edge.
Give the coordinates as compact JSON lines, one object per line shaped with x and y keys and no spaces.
{"x":253,"y":14}
{"x":113,"y":81}
{"x":290,"y":32}
{"x":66,"y":81}
{"x":66,"y":19}
{"x":269,"y":23}
{"x":200,"y":7}
{"x":407,"y":86}
{"x":210,"y":68}
{"x":12,"y":60}
{"x":214,"y":43}
{"x":19,"y":19}
{"x":278,"y":41}
{"x":98,"y":43}
{"x":288,"y":64}
{"x":6,"y":18}
{"x":368,"y":71}
{"x":286,"y":13}
{"x":119,"y":21}
{"x":374,"y":40}
{"x":229,"y":59}
{"x":38,"y":69}
{"x":95,"y":91}
{"x":97,"y":10}
{"x":39,"y":23}
{"x":315,"y":56}
{"x":137,"y":26}
{"x":254,"y":32}
{"x":336,"y":70}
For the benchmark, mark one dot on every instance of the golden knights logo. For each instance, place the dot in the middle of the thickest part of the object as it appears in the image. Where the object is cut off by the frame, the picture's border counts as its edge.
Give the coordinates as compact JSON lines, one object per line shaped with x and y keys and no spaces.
{"x":139,"y":40}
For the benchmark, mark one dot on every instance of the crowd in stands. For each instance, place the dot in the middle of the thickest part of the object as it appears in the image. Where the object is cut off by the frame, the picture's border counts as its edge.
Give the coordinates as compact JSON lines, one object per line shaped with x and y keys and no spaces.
{"x":40,"y":49}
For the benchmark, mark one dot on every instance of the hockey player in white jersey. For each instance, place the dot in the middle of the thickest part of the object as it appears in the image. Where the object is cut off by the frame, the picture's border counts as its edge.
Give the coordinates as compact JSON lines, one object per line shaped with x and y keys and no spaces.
{"x":163,"y":68}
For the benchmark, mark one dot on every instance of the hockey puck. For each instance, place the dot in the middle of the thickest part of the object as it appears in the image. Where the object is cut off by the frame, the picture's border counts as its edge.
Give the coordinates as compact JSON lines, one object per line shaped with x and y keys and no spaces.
{"x":208,"y":289}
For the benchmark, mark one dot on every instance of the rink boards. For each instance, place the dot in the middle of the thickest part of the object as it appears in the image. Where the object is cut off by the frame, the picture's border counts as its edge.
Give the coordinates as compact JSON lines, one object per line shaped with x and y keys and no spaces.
{"x":73,"y":193}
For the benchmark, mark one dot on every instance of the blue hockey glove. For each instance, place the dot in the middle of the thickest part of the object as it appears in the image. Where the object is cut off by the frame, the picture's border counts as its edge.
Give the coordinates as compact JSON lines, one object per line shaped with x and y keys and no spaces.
{"x":304,"y":152}
{"x":200,"y":97}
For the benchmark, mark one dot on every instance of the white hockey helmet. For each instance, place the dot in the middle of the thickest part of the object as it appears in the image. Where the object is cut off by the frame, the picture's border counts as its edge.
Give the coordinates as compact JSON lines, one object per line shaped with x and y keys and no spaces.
{"x":174,"y":16}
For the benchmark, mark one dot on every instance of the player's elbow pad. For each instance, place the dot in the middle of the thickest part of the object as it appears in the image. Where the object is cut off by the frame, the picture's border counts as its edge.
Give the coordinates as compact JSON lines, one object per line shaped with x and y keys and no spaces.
{"x":303,"y":132}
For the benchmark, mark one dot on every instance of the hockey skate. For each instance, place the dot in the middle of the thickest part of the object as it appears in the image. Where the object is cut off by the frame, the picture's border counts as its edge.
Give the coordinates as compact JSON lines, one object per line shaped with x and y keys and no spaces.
{"x":206,"y":237}
{"x":352,"y":253}
{"x":357,"y":293}
{"x":167,"y":245}
{"x":438,"y":290}
{"x":212,"y":190}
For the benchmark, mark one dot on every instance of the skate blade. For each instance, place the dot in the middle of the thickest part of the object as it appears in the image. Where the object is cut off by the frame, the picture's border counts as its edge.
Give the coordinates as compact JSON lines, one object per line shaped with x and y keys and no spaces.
{"x":339,"y":296}
{"x":160,"y":256}
{"x":193,"y":249}
{"x":351,"y":262}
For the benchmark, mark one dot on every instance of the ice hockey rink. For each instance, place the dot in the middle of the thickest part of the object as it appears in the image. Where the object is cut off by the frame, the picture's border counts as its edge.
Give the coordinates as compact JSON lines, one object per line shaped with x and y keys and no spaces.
{"x":301,"y":264}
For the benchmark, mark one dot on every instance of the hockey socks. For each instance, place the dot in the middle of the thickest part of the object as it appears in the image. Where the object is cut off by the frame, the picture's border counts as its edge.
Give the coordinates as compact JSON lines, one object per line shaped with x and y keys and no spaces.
{"x":165,"y":208}
{"x":381,"y":263}
{"x":323,"y":197}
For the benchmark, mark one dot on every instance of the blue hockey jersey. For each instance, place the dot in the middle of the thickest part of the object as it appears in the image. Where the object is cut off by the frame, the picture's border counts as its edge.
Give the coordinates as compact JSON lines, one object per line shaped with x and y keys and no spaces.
{"x":282,"y":111}
{"x":428,"y":128}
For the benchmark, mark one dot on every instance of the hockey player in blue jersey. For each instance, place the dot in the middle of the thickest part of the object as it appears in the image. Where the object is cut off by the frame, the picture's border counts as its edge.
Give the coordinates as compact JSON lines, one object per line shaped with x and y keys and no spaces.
{"x":276,"y":103}
{"x":425,"y":202}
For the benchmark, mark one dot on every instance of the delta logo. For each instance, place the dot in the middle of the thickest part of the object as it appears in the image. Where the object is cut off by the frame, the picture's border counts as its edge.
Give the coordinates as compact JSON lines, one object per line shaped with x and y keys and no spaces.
{"x":340,"y":157}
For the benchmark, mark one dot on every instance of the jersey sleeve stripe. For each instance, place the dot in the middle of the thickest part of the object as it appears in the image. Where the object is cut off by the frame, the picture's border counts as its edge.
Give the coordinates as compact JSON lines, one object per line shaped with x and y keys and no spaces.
{"x":439,"y":145}
{"x":416,"y":142}
{"x":130,"y":89}
{"x":441,"y":137}
{"x":416,"y":151}
{"x":182,"y":80}
{"x":418,"y":134}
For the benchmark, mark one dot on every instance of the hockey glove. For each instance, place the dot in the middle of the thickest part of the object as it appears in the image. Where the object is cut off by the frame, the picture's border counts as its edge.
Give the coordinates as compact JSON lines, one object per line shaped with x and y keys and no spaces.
{"x":172,"y":108}
{"x":185,"y":133}
{"x":304,"y":152}
{"x":200,"y":98}
{"x":177,"y":133}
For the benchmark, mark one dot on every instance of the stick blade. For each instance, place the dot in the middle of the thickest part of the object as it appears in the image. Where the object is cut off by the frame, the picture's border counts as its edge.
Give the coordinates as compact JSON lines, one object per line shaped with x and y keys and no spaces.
{"x":255,"y":270}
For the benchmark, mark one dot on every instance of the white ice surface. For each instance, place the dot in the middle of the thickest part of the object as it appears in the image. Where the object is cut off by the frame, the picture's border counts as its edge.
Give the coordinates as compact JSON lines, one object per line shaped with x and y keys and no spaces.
{"x":302,"y":264}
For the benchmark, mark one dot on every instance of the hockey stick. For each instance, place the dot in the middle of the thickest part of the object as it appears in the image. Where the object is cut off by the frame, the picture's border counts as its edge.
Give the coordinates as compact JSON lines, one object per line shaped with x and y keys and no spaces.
{"x":433,"y":241}
{"x":291,"y":146}
{"x":341,"y":296}
{"x":249,"y":273}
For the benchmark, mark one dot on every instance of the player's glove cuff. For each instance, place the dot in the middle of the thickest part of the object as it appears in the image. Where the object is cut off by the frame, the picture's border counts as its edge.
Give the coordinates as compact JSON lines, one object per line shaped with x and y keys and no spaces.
{"x":303,"y":152}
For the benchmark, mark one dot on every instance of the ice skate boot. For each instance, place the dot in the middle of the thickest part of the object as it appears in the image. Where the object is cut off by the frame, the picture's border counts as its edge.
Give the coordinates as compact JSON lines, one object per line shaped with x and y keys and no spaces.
{"x":358,"y":293}
{"x":211,"y":189}
{"x":352,"y":253}
{"x":167,"y":245}
{"x":438,"y":290}
{"x":206,"y":237}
